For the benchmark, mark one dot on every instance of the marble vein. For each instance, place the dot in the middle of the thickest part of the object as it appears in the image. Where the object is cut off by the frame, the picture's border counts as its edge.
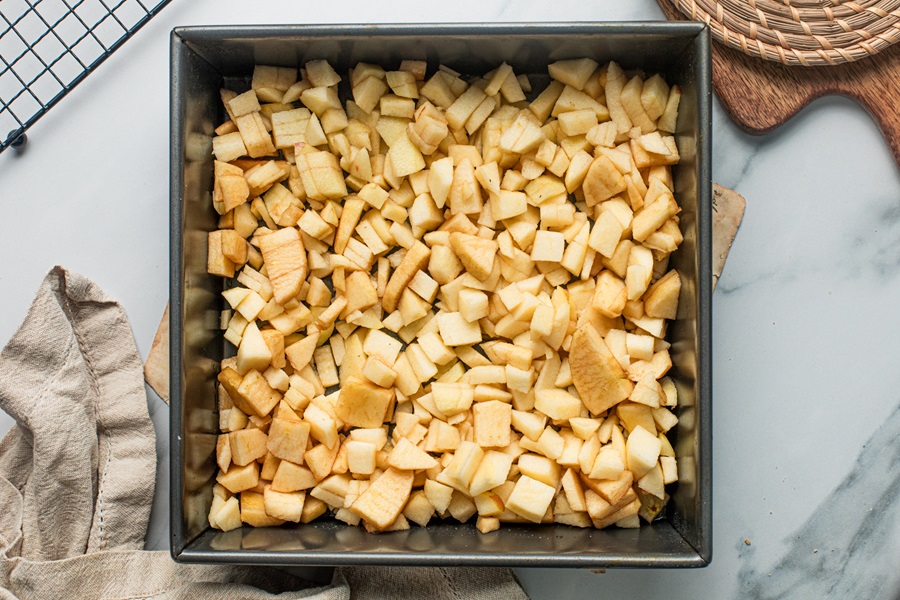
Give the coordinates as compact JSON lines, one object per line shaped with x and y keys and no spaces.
{"x":850,"y":547}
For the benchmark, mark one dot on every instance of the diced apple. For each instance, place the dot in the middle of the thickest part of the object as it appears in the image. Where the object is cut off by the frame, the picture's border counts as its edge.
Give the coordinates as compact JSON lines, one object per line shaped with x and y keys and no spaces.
{"x":642,"y":451}
{"x":363,"y":404}
{"x":530,"y":499}
{"x":598,"y":376}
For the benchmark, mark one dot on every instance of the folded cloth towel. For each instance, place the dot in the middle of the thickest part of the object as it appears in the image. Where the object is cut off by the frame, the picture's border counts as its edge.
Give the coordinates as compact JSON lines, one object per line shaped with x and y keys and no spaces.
{"x":77,"y":473}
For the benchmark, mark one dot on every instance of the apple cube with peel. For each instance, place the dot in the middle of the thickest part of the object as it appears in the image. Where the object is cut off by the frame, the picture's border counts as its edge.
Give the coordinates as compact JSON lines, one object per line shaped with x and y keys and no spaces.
{"x":488,"y":504}
{"x":599,"y":378}
{"x":476,"y":254}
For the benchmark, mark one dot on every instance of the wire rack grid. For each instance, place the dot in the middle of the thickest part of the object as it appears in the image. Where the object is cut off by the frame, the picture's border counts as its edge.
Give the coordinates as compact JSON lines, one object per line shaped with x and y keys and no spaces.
{"x":47,"y":47}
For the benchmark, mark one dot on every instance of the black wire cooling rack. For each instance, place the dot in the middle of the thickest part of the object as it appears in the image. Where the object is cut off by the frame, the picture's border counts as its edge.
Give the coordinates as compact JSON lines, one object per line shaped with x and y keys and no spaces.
{"x":47,"y":47}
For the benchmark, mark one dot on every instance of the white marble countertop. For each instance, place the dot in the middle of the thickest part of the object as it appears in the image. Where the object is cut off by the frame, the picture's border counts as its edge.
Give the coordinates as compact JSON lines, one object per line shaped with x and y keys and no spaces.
{"x":806,"y":421}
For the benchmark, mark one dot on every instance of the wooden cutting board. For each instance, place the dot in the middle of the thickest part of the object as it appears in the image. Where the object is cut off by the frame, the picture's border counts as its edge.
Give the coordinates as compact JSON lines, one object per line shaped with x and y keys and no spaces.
{"x":760,"y":95}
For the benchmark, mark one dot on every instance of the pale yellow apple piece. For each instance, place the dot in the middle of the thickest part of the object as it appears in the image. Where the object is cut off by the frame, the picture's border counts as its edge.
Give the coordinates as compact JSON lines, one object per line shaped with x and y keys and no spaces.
{"x":253,"y":353}
{"x":291,"y":477}
{"x":285,"y":259}
{"x":253,"y":511}
{"x":642,"y":451}
{"x":363,"y":404}
{"x":256,"y":395}
{"x":530,"y":499}
{"x":287,"y":439}
{"x":247,"y":445}
{"x":574,"y":491}
{"x":492,"y":471}
{"x":237,"y":479}
{"x":574,"y":72}
{"x":300,"y":353}
{"x":384,"y":499}
{"x":418,"y":508}
{"x":455,"y":330}
{"x":415,"y":259}
{"x":216,"y":262}
{"x":599,"y":378}
{"x":661,"y":298}
{"x":462,"y":467}
{"x":287,"y":506}
{"x":476,"y":254}
{"x":667,"y":121}
{"x":361,"y":294}
{"x":557,"y":404}
{"x":408,"y":457}
{"x":602,"y":181}
{"x":492,"y":424}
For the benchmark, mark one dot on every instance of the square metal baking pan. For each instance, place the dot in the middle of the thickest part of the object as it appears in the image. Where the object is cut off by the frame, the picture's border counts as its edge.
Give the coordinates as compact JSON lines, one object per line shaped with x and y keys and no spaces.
{"x":204,"y":59}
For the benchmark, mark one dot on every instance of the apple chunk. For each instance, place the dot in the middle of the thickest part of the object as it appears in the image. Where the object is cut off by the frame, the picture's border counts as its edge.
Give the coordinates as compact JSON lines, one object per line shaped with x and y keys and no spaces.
{"x":599,"y":378}
{"x":383,"y":500}
{"x":661,"y":299}
{"x":285,"y":260}
{"x":476,"y":254}
{"x":363,"y":404}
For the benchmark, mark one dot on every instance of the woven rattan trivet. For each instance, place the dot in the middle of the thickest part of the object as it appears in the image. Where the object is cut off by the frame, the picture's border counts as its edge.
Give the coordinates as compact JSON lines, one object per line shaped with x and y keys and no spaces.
{"x":805,"y":33}
{"x":760,"y":95}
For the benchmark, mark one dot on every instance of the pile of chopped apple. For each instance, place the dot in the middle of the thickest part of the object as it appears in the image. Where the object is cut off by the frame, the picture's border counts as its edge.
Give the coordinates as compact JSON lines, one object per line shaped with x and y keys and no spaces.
{"x":447,"y":300}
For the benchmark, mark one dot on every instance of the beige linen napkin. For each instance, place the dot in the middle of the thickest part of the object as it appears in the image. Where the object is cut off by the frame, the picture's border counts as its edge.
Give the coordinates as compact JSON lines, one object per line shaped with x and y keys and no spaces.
{"x":77,"y":473}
